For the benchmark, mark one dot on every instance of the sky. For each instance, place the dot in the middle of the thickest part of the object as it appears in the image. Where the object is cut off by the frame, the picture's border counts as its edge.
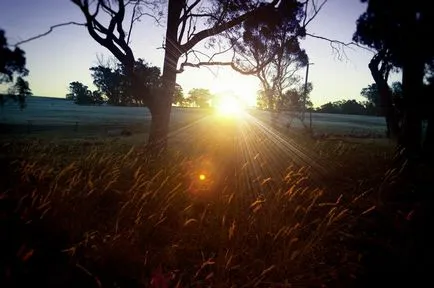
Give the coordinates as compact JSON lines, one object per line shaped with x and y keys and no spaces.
{"x":66,"y":54}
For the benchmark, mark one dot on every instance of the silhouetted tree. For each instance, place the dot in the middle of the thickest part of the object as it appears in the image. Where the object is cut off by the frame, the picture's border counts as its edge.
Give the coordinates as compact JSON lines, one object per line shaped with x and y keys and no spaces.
{"x":343,"y":107}
{"x":184,"y":18}
{"x":81,"y":95}
{"x":20,"y":91}
{"x":293,"y":99}
{"x":11,"y":61}
{"x":397,"y":30}
{"x":372,"y":94}
{"x":110,"y":82}
{"x":268,"y":47}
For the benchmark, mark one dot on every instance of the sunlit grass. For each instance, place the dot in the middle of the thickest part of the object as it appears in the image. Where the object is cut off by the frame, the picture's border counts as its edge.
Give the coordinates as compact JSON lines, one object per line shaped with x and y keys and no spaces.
{"x":202,"y":218}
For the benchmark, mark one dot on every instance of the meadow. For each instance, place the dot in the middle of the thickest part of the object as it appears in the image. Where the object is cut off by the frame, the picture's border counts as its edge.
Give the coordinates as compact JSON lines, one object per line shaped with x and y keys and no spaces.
{"x":236,"y":202}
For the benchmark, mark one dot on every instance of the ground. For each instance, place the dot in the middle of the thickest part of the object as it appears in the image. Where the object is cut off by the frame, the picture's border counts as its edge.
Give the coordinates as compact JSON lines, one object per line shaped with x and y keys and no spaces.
{"x":236,"y":202}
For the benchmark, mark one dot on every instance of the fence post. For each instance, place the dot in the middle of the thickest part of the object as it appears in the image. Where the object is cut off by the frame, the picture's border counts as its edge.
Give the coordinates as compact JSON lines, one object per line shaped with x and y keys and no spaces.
{"x":29,"y":126}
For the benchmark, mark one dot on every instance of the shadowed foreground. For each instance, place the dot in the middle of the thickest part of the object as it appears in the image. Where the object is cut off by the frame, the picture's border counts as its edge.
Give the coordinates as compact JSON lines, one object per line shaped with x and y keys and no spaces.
{"x":235,"y":203}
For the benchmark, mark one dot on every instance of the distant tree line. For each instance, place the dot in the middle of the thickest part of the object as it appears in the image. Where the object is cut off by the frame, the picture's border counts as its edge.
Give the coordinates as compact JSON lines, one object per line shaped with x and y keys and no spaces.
{"x":293,"y":99}
{"x":115,"y":88}
{"x":372,"y":105}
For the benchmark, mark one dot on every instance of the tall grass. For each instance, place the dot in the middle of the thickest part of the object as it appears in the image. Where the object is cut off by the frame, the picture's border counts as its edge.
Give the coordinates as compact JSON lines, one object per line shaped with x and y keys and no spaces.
{"x":123,"y":216}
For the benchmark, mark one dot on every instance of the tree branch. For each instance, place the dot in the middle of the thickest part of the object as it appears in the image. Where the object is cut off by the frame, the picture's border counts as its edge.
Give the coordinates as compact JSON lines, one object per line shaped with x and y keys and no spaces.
{"x":48,"y":32}
{"x":222,"y":27}
{"x":334,"y":42}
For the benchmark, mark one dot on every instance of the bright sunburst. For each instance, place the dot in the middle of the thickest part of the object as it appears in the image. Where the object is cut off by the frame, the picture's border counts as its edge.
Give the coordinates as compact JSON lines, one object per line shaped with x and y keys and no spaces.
{"x":230,"y":106}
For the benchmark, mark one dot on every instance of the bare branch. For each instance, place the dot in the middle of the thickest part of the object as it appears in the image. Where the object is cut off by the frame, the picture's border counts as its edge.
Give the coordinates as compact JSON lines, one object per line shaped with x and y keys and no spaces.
{"x":132,"y":21}
{"x":230,"y":63}
{"x":334,"y":42}
{"x":316,"y":11}
{"x":48,"y":32}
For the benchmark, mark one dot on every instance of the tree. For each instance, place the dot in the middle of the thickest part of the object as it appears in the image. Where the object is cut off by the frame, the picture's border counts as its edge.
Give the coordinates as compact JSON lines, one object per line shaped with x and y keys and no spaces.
{"x":81,"y":95}
{"x":97,"y":97}
{"x":20,"y":91}
{"x":114,"y":83}
{"x":397,"y":31}
{"x":293,"y":99}
{"x":200,"y":97}
{"x":182,"y":36}
{"x":11,"y":61}
{"x":268,"y":47}
{"x":178,"y":96}
{"x":373,"y":97}
{"x":343,"y":107}
{"x":109,"y":82}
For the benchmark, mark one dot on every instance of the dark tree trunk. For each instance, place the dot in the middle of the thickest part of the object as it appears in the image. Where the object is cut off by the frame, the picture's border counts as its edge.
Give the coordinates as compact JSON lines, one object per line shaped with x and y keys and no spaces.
{"x":412,"y":84}
{"x":386,"y":102}
{"x":428,"y":145}
{"x":160,"y":106}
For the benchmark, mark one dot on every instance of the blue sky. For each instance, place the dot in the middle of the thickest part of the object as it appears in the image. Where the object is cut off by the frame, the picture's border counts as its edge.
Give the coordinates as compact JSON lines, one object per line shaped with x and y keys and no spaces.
{"x":68,"y":52}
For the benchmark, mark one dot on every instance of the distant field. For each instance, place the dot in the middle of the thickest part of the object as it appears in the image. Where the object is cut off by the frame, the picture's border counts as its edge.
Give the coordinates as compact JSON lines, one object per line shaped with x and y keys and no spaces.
{"x":44,"y":113}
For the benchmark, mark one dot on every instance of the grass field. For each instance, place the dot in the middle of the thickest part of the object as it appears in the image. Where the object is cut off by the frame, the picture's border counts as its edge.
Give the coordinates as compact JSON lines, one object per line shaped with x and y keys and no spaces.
{"x":234,"y":203}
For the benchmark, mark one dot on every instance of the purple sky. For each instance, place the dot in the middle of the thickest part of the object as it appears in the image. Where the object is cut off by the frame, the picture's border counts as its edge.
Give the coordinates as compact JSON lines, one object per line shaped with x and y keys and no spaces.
{"x":66,"y":54}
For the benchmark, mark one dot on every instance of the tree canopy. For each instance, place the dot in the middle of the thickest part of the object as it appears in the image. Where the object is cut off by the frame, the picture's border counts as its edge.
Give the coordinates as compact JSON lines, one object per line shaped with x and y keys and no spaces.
{"x":80,"y":94}
{"x":200,"y":97}
{"x":11,"y":61}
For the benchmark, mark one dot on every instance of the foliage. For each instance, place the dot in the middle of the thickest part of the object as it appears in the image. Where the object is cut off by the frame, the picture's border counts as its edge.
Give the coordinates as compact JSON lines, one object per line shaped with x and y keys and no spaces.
{"x":397,"y":28}
{"x":117,"y":87}
{"x":294,"y":99}
{"x":11,"y":61}
{"x":200,"y":97}
{"x":20,"y":91}
{"x":372,"y":95}
{"x":178,"y":96}
{"x":81,"y":95}
{"x":345,"y":107}
{"x":268,"y":47}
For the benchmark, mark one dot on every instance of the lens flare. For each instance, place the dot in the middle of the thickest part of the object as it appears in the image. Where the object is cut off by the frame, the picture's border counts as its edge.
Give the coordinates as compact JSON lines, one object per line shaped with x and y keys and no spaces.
{"x":229,"y":106}
{"x":202,"y":177}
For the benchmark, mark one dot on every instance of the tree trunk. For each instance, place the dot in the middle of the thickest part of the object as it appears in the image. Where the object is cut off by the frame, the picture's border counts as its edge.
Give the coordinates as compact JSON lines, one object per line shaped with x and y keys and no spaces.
{"x":412,"y":83}
{"x":428,"y":145}
{"x":386,"y":102}
{"x":161,"y":105}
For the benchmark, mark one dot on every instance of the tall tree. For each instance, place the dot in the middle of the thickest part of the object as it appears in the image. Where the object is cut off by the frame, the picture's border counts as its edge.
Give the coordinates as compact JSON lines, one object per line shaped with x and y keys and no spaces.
{"x":182,"y":36}
{"x":397,"y":30}
{"x":268,"y":46}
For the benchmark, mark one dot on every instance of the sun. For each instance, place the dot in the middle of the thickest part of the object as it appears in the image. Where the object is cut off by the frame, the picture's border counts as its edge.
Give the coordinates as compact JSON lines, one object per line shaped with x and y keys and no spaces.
{"x":229,"y":106}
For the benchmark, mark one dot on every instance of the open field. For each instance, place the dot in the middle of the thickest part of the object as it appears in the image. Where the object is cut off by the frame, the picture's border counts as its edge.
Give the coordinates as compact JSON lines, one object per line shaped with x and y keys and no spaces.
{"x":235,"y":202}
{"x":51,"y":113}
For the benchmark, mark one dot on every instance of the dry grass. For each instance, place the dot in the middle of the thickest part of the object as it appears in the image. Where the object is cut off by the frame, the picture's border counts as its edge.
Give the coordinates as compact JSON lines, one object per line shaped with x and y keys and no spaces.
{"x":125,"y":219}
